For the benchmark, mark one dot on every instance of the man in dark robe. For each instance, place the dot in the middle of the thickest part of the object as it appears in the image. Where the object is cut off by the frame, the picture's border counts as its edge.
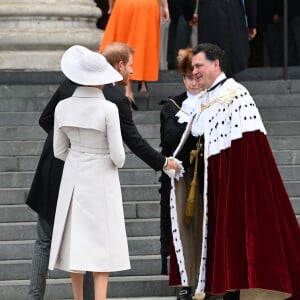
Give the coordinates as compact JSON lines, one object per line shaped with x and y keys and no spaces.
{"x":230,"y":25}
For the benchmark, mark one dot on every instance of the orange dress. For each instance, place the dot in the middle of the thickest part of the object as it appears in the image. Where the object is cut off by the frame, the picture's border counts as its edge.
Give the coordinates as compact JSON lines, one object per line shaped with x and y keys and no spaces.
{"x":137,"y":23}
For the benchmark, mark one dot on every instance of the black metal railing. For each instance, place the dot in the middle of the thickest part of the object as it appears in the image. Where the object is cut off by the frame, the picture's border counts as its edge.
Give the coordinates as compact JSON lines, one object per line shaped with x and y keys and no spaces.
{"x":285,"y":39}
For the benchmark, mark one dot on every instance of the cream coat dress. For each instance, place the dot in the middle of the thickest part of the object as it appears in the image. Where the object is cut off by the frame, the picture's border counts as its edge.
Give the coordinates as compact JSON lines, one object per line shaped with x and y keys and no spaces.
{"x":89,"y":229}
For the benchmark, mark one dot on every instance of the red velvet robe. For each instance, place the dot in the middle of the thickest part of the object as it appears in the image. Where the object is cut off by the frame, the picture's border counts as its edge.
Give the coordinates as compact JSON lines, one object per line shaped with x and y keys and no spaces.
{"x":251,"y":234}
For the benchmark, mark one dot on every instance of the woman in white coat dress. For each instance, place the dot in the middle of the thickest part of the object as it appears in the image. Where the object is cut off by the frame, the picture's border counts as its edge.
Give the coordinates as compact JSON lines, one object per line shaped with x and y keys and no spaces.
{"x":89,"y":229}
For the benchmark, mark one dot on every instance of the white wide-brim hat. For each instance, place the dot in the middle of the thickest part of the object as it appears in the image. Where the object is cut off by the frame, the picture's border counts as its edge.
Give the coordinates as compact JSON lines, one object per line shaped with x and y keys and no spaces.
{"x":86,"y":67}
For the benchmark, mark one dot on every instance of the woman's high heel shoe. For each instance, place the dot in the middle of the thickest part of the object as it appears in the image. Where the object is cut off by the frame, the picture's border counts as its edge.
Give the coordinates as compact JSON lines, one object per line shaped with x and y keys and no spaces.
{"x":142,"y":87}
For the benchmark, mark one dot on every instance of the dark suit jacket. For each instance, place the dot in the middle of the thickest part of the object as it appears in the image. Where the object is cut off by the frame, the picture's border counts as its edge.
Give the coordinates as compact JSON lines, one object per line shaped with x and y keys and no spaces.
{"x":42,"y":196}
{"x":130,"y":134}
{"x":178,"y":8}
{"x":223,"y":23}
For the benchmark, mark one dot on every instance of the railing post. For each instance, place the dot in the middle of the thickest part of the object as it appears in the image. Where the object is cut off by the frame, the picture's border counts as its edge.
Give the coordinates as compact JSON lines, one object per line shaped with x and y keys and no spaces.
{"x":285,"y":39}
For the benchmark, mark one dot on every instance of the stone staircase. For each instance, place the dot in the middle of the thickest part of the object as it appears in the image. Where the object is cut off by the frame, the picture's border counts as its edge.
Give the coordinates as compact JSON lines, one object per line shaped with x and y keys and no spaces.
{"x":22,"y":98}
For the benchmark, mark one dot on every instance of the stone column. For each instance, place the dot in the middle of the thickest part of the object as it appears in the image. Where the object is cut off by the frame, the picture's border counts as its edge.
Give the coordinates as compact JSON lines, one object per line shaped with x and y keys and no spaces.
{"x":34,"y":34}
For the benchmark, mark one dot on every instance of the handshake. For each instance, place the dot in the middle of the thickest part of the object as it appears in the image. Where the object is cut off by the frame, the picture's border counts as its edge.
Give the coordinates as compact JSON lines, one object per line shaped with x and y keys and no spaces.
{"x":174,"y":168}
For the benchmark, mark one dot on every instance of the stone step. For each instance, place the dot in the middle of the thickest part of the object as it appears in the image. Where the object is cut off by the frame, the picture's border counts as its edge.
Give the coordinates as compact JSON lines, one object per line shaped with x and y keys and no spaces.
{"x":15,"y":148}
{"x":158,"y":88}
{"x":150,"y":103}
{"x":142,"y":265}
{"x":287,"y":157}
{"x":284,"y":142}
{"x":56,"y":77}
{"x":130,"y":193}
{"x":280,"y":114}
{"x":23,"y":104}
{"x":282,"y":128}
{"x":249,"y":74}
{"x":19,"y":118}
{"x":127,"y":177}
{"x":267,"y":114}
{"x":277,"y":100}
{"x":27,"y":91}
{"x":22,"y":132}
{"x":126,"y":286}
{"x":148,"y":131}
{"x":36,"y":96}
{"x":29,"y":163}
{"x":265,"y":87}
{"x":134,"y":298}
{"x":132,"y":210}
{"x":143,"y":298}
{"x":27,"y":230}
{"x":23,"y":249}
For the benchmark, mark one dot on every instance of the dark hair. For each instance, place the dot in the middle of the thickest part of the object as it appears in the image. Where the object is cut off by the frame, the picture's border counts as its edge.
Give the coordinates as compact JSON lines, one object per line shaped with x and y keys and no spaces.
{"x":212,"y":52}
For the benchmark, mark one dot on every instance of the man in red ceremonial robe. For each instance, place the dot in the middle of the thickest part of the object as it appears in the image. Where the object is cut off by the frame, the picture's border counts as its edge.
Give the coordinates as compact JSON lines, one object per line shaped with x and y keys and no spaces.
{"x":251,"y":237}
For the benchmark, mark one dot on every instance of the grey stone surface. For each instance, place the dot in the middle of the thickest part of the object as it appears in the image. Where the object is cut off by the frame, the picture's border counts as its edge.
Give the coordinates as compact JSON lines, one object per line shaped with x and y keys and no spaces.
{"x":287,"y":157}
{"x":34,"y":37}
{"x":13,"y":148}
{"x":19,"y":119}
{"x":58,"y":289}
{"x":22,"y":133}
{"x":22,"y":213}
{"x":23,"y":250}
{"x":284,"y":142}
{"x":287,"y":128}
{"x":140,"y":266}
{"x":129,"y":193}
{"x":27,"y":230}
{"x":18,"y":163}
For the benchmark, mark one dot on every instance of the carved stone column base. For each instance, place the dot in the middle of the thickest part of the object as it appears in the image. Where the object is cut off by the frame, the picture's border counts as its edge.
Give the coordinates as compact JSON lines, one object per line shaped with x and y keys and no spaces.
{"x":34,"y":35}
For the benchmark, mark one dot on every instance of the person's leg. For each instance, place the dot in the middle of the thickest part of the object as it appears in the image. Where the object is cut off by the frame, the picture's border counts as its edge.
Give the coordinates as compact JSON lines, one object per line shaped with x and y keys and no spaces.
{"x":294,"y":25}
{"x":129,"y":90}
{"x":100,"y":282}
{"x":183,"y":34}
{"x":171,"y":54}
{"x":274,"y":41}
{"x":77,"y":285}
{"x":40,"y":261}
{"x":88,"y":286}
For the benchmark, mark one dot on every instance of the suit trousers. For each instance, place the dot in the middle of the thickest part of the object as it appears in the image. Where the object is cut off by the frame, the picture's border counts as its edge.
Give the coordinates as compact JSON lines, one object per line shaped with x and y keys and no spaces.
{"x":40,"y":262}
{"x":178,"y":38}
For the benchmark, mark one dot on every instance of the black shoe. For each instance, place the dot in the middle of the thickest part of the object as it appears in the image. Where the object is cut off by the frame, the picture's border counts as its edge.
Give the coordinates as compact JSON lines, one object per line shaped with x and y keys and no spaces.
{"x":185,"y":293}
{"x":235,"y":295}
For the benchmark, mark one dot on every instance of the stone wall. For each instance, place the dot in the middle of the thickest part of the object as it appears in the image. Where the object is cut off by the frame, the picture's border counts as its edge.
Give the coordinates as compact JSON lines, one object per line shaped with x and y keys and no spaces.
{"x":34,"y":34}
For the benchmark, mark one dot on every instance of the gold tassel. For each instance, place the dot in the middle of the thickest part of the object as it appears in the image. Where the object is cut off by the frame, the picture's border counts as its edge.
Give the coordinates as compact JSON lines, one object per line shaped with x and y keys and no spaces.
{"x":190,"y":205}
{"x":199,"y":296}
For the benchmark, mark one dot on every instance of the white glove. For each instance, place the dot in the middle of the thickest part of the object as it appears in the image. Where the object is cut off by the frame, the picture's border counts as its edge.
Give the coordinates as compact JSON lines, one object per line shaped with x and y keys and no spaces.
{"x":172,"y":173}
